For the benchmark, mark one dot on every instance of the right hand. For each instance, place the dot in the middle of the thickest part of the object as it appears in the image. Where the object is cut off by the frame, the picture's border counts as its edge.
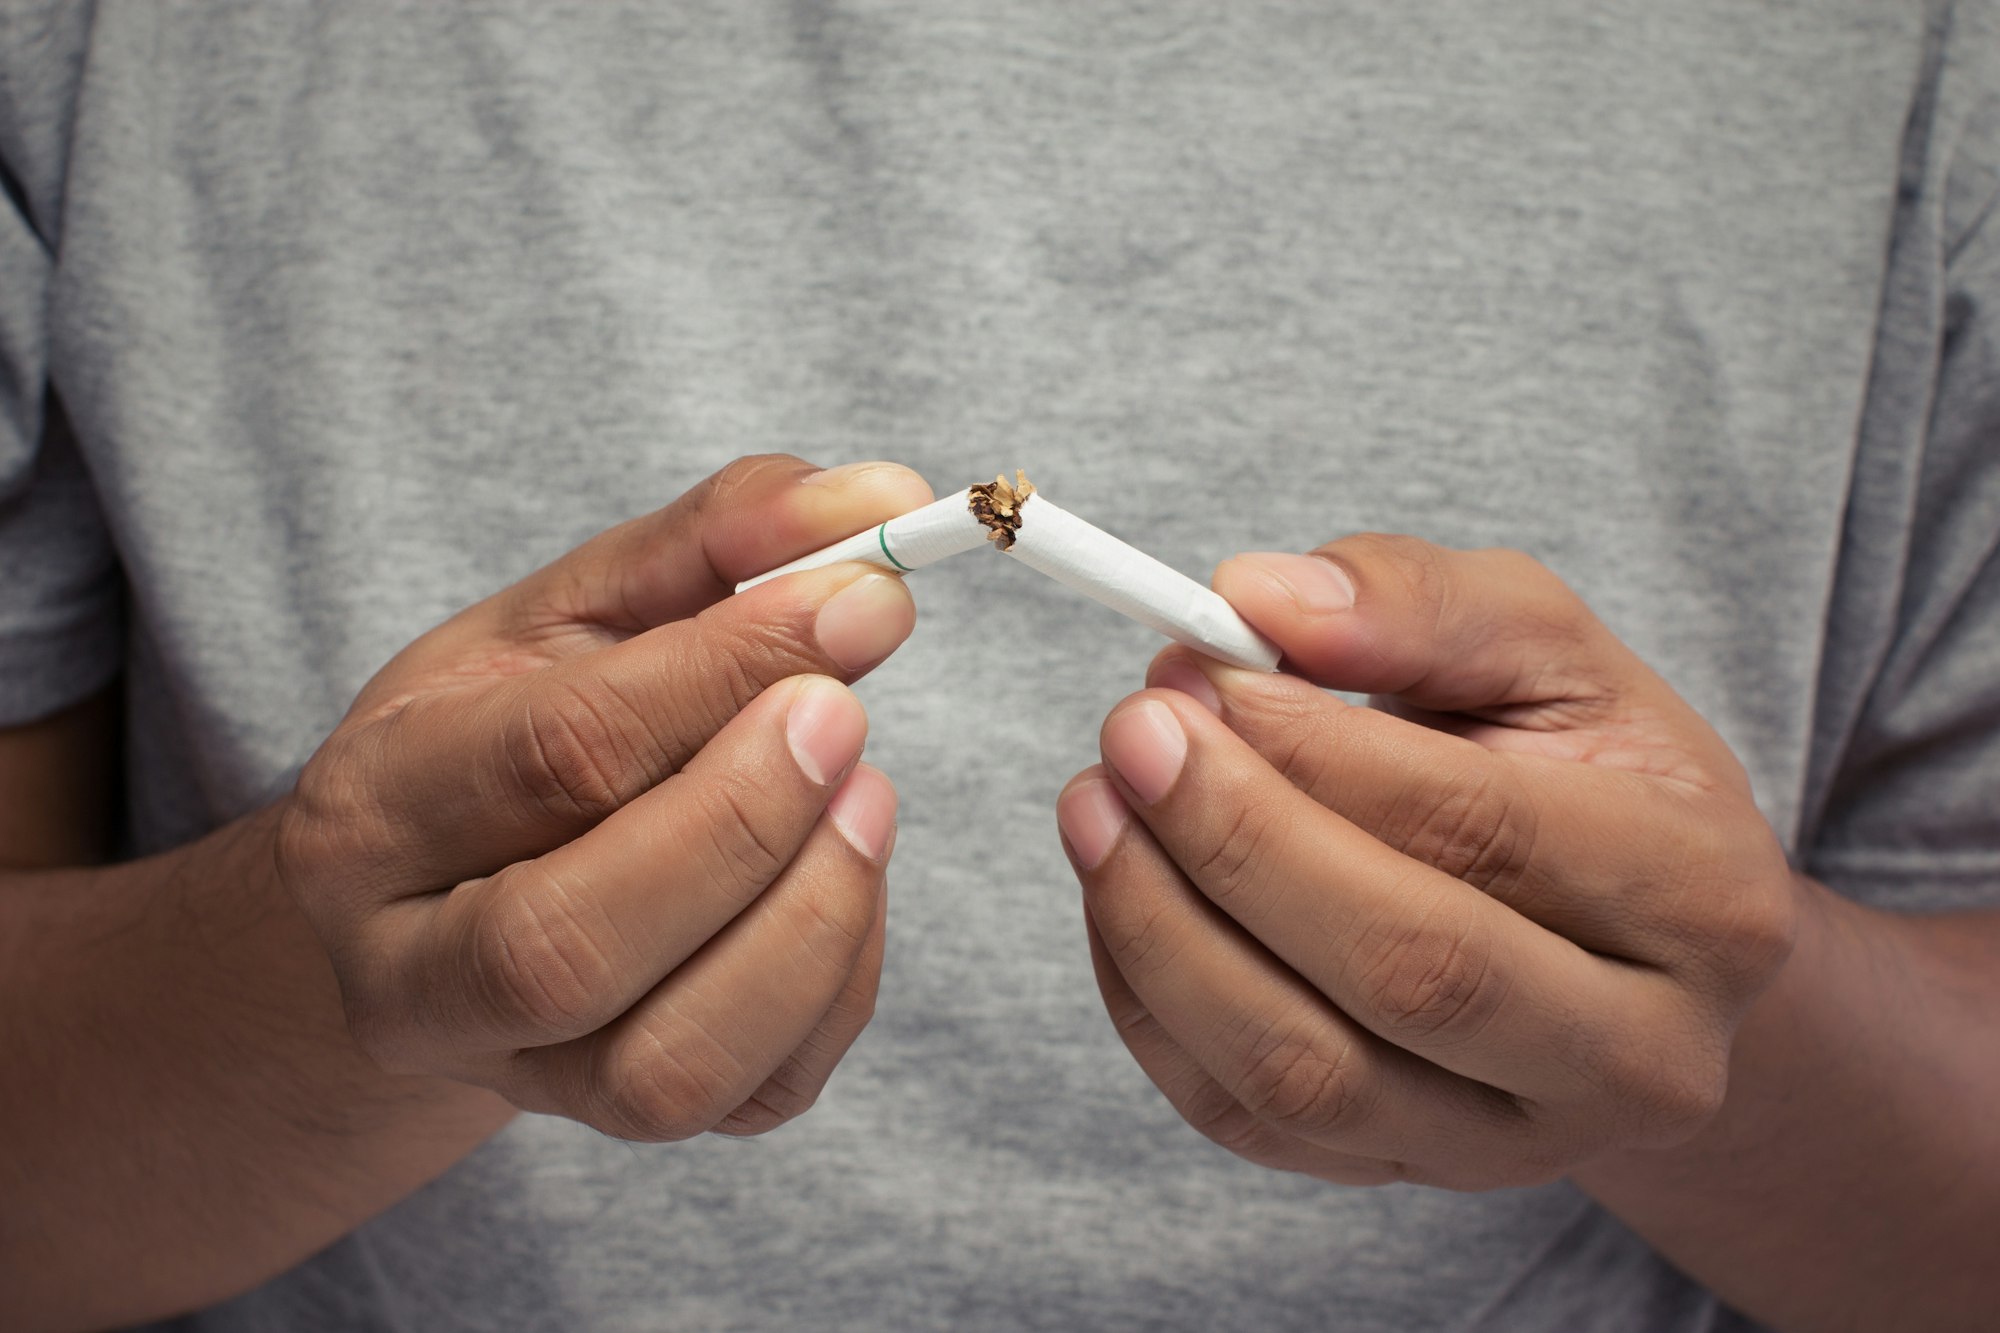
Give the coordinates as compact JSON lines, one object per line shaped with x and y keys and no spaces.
{"x":602,"y":843}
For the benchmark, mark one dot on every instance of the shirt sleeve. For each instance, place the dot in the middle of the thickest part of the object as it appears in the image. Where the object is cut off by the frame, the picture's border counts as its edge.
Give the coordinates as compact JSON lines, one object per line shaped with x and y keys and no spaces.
{"x":60,"y":589}
{"x":1911,"y":811}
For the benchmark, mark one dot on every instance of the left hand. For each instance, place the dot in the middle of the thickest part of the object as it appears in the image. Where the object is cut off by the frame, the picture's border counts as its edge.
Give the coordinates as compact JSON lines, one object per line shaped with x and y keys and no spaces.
{"x":1503,"y":923}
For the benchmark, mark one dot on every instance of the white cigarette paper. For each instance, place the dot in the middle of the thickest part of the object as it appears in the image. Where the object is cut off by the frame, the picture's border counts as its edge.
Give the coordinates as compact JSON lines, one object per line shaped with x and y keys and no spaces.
{"x":1074,"y":553}
{"x":911,"y":541}
{"x":1085,"y":557}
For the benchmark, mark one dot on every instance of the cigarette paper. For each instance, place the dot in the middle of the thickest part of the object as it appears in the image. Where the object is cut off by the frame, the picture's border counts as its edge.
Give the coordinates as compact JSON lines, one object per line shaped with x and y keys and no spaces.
{"x":911,"y":541}
{"x":1085,"y":557}
{"x":1028,"y":526}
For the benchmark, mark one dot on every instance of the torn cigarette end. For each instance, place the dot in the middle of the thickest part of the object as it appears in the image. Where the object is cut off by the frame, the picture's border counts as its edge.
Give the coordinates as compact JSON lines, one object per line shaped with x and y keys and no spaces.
{"x":998,"y":505}
{"x":1063,"y":547}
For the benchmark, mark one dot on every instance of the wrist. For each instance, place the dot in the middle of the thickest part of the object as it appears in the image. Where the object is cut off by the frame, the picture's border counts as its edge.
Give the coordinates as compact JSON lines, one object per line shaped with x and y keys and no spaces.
{"x":1787,"y":1019}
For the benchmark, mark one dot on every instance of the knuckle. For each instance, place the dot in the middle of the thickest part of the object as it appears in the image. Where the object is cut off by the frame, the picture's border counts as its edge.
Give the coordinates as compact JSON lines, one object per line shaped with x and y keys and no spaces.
{"x":1232,"y":869}
{"x":1474,"y":829}
{"x":330,"y":819}
{"x":1690,"y":1100}
{"x":1216,"y":1114}
{"x":1143,"y":942}
{"x":727,"y":485}
{"x":570,"y":754}
{"x":1665,"y":1101}
{"x":1431,"y":983}
{"x":717,"y":664}
{"x":1134,"y":1022}
{"x":856,"y":1007}
{"x":1417,"y":565}
{"x":853,"y":1010}
{"x":860,"y":1011}
{"x":1541,"y":592}
{"x":1544,"y":609}
{"x":1298,"y":732}
{"x":760,"y":1115}
{"x":743,"y":657}
{"x":736,"y":847}
{"x":785,"y":1096}
{"x":833,"y":926}
{"x":1763,"y":923}
{"x":299,"y":841}
{"x":1521,"y":570}
{"x":1655,"y":1079}
{"x":1218,"y":1117}
{"x":656,"y":1093}
{"x":1305,"y":1084}
{"x":734,"y":673}
{"x":538,"y":970}
{"x":1732,"y":903}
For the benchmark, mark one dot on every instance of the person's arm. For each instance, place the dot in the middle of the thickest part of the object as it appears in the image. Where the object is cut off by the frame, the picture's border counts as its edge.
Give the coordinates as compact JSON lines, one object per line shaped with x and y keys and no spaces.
{"x":557,"y":851}
{"x":1525,"y":922}
{"x":184,"y":1112}
{"x":1852,"y":1177}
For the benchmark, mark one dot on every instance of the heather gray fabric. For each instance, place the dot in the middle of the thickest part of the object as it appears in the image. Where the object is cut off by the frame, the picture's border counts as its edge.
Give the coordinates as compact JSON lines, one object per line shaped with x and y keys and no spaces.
{"x":359,"y":312}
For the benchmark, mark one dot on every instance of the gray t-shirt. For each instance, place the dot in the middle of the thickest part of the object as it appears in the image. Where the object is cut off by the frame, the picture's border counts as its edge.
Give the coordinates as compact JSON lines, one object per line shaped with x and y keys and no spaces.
{"x":318,"y":324}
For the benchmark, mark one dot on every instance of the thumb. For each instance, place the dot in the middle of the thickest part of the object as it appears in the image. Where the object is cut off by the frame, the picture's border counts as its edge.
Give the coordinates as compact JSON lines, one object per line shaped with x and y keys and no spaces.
{"x":1491,"y":632}
{"x":751,"y":516}
{"x":665,"y":566}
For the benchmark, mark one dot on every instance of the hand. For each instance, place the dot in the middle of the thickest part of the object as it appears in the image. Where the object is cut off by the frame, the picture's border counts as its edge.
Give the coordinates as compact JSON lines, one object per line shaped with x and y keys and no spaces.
{"x":1503,"y":923}
{"x":601,"y":842}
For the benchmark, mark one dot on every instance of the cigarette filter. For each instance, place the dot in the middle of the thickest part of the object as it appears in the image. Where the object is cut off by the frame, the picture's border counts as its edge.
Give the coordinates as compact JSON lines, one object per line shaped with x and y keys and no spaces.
{"x":1055,"y":542}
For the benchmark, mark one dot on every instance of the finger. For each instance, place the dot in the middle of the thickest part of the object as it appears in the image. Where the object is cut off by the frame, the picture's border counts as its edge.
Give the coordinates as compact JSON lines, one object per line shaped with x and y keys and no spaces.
{"x":1489,"y":632}
{"x":459,"y":786}
{"x":1594,"y":853}
{"x":796,"y":1084}
{"x":1275,"y":1044}
{"x":1419,"y":958}
{"x":751,"y":516}
{"x":552,"y":948}
{"x":1205,"y":1104}
{"x":718,"y":1028}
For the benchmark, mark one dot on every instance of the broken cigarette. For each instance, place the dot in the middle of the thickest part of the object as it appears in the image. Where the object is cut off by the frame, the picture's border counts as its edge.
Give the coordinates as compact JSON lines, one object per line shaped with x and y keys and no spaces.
{"x":1076,"y":554}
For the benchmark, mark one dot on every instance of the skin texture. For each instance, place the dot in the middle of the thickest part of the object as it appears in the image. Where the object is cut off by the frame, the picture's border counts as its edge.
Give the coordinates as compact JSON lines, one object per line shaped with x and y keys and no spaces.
{"x":1519,"y":922}
{"x":1522,"y":921}
{"x":553,"y":858}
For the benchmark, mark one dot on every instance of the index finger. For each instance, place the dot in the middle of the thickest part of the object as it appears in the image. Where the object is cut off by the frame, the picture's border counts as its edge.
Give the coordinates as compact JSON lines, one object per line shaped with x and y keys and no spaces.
{"x":753,"y":515}
{"x":658,"y":568}
{"x":458,"y":787}
{"x":1445,"y":630}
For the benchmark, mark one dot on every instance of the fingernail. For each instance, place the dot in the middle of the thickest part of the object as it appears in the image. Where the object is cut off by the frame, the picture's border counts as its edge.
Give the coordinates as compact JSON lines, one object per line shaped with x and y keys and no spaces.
{"x":1092,"y":814}
{"x":864,"y":810}
{"x":1183,"y":676}
{"x":1320,"y":587}
{"x":824,"y":727}
{"x":1146,"y":745}
{"x":846,"y":473}
{"x":865,"y":621}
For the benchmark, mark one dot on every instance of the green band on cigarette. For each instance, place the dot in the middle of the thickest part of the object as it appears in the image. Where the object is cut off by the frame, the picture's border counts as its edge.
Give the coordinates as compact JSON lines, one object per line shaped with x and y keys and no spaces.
{"x":882,"y":536}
